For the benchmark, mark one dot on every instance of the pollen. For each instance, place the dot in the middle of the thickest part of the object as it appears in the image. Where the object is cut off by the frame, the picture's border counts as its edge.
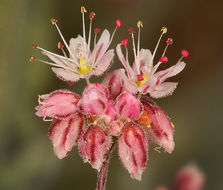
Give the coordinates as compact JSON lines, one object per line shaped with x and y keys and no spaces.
{"x":32,"y":58}
{"x":149,"y":126}
{"x":83,"y":68}
{"x":172,"y":125}
{"x":83,"y":10}
{"x":164,"y":30}
{"x":140,"y":83}
{"x":139,"y":24}
{"x":144,"y":119}
{"x":60,"y":45}
{"x":53,"y":20}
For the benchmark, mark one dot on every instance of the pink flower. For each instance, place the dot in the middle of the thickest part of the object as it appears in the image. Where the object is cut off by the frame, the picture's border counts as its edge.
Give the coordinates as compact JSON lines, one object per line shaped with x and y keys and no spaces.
{"x":81,"y":61}
{"x":142,"y":75}
{"x":189,"y":178}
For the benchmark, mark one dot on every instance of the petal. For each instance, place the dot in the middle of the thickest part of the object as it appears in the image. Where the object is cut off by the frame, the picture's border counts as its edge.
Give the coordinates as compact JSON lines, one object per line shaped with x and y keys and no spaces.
{"x":66,"y":75}
{"x":124,"y":62}
{"x":93,"y":102}
{"x":145,"y":58}
{"x":94,"y":145}
{"x":133,"y":148}
{"x":115,"y":128}
{"x":116,"y":82}
{"x":97,"y":86}
{"x":190,"y":177}
{"x":64,"y":134}
{"x":170,"y":72}
{"x":128,"y":106}
{"x":104,"y":62}
{"x":100,"y":48}
{"x":163,"y":89}
{"x":110,"y":114}
{"x":60,"y":103}
{"x":161,"y":129}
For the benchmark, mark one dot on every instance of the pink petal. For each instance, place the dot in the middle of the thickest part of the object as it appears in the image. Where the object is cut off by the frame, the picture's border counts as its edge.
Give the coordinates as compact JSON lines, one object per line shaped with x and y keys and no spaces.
{"x":124,"y":62}
{"x":94,"y":145}
{"x":170,"y":72}
{"x":110,"y":114}
{"x":66,"y":75}
{"x":60,"y":103}
{"x":133,"y":148}
{"x":97,"y":86}
{"x":189,"y":178}
{"x":116,"y":82}
{"x":161,"y":129}
{"x":93,"y":101}
{"x":104,"y":62}
{"x":163,"y":89}
{"x":100,"y":48}
{"x":128,"y":106}
{"x":64,"y":134}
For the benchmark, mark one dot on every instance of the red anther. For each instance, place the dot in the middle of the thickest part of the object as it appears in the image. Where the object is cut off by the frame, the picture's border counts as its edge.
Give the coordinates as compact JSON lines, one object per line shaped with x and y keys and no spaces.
{"x":60,"y":45}
{"x":157,"y":82}
{"x":163,"y":59}
{"x":32,"y":58}
{"x":97,"y":30}
{"x":169,"y":41}
{"x":92,"y":15}
{"x":140,"y":77}
{"x":185,"y":53}
{"x":118,"y":23}
{"x":34,"y":46}
{"x":53,"y":20}
{"x":131,"y":31}
{"x":125,"y":42}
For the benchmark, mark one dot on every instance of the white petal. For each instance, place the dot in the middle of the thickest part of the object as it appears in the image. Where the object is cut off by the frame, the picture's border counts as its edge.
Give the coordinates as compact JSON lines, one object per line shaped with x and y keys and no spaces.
{"x":66,"y":75}
{"x":163,"y":89}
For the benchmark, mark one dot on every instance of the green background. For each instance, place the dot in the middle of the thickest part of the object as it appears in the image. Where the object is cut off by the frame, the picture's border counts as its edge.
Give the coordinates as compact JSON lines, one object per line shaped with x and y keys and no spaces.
{"x":27,"y":160}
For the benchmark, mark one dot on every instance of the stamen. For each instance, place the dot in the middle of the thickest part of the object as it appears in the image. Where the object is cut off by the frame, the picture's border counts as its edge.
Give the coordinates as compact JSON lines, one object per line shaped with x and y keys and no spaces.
{"x":168,"y":42}
{"x":32,"y":58}
{"x":163,"y":30}
{"x":140,"y":77}
{"x":34,"y":46}
{"x":96,"y":31}
{"x":134,"y":51}
{"x":163,"y":59}
{"x":40,"y":98}
{"x":125,"y":42}
{"x":185,"y":53}
{"x":118,"y":25}
{"x":91,"y":16}
{"x":83,"y":10}
{"x":139,"y":25}
{"x":64,"y":41}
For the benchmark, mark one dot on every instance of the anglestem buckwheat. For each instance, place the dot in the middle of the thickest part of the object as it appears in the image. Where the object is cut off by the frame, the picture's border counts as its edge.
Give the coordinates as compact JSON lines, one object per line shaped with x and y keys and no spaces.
{"x":115,"y":112}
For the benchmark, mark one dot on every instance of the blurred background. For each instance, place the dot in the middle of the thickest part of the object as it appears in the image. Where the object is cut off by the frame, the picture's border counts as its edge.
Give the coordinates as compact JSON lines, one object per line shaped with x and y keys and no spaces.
{"x":27,"y":160}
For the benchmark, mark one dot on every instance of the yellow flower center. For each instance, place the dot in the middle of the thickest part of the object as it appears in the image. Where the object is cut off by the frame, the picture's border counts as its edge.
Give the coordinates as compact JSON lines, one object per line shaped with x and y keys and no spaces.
{"x":83,"y":68}
{"x":140,"y":83}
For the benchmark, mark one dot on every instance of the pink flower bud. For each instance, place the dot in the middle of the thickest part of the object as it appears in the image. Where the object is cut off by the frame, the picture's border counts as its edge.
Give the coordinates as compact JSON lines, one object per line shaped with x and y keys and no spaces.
{"x":94,"y":145}
{"x":133,"y":148}
{"x":64,"y":134}
{"x":60,"y":104}
{"x":161,"y":129}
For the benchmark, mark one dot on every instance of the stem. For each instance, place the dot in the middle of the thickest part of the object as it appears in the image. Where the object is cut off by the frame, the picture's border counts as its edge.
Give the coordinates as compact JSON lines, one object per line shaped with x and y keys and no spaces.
{"x":102,"y":175}
{"x":139,"y":95}
{"x":87,"y":80}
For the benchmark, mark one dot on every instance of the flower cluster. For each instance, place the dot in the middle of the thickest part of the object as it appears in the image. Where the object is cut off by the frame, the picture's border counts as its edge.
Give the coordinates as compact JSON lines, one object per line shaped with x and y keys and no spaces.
{"x":113,"y":112}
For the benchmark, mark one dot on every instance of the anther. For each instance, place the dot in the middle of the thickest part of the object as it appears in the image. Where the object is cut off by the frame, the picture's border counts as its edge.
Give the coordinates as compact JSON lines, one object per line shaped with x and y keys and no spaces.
{"x":131,"y":31}
{"x":92,"y":15}
{"x":164,"y":30}
{"x":32,"y":58}
{"x":118,"y":23}
{"x":53,"y":20}
{"x":185,"y":53}
{"x":34,"y":46}
{"x":97,"y":30}
{"x":125,"y":42}
{"x":139,"y":24}
{"x":163,"y":59}
{"x":169,"y":41}
{"x":83,"y":10}
{"x":41,"y":99}
{"x":60,"y":45}
{"x":140,"y":77}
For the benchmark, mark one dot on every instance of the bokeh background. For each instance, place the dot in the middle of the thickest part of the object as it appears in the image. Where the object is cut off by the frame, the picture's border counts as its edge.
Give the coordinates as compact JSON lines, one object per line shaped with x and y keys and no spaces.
{"x":26,"y":155}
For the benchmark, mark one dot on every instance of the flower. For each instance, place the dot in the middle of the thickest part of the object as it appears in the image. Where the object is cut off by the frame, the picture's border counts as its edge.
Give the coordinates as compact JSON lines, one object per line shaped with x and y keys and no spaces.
{"x":81,"y":62}
{"x":142,"y":75}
